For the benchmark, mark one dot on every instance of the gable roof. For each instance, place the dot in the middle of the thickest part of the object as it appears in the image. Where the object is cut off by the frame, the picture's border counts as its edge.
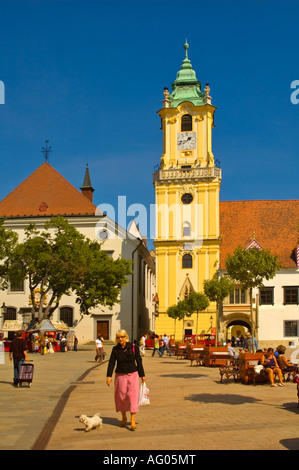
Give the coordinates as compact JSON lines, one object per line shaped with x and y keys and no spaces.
{"x":45,"y":193}
{"x":273,"y":223}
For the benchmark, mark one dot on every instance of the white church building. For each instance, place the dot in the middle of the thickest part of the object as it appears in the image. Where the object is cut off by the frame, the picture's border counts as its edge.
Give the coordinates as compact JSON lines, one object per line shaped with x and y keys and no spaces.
{"x":46,"y":193}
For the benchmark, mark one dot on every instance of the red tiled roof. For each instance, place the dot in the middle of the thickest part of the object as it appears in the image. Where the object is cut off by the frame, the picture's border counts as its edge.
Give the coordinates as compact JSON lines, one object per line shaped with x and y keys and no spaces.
{"x":45,"y":193}
{"x":274,"y":224}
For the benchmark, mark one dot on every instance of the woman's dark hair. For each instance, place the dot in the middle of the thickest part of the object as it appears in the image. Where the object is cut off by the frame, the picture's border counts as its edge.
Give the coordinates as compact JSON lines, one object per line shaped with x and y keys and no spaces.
{"x":281,"y":349}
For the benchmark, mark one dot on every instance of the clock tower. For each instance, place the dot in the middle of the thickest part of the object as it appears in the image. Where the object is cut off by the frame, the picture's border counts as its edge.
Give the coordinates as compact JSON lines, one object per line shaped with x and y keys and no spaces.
{"x":187,"y":187}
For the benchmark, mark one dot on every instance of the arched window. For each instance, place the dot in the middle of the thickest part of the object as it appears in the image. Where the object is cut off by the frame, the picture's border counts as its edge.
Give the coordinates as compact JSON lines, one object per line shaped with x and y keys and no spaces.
{"x":186,"y":123}
{"x":187,"y":261}
{"x":186,"y":229}
{"x":66,"y":315}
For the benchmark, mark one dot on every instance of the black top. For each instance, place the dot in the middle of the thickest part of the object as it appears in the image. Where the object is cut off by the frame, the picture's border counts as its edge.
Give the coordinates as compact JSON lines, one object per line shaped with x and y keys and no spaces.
{"x":17,"y":348}
{"x":127,"y":361}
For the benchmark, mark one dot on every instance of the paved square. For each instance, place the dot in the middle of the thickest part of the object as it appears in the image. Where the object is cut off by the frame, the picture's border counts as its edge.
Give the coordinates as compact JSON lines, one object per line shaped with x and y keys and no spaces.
{"x":190,"y":409}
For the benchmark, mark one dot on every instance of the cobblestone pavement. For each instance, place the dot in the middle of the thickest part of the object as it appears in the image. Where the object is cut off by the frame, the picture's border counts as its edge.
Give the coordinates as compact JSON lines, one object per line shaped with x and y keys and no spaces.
{"x":190,"y":409}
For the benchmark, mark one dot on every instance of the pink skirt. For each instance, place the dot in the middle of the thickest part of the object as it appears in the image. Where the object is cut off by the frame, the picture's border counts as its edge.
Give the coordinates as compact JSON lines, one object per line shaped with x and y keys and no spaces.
{"x":126,"y":392}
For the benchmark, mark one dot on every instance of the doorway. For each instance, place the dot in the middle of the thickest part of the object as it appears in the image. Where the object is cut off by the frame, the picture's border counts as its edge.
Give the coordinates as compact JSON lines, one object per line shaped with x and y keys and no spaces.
{"x":103,"y":328}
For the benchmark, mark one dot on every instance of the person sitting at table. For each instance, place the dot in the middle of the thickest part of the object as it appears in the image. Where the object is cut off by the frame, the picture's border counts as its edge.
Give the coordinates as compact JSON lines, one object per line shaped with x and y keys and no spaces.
{"x":271,"y":367}
{"x":284,"y":363}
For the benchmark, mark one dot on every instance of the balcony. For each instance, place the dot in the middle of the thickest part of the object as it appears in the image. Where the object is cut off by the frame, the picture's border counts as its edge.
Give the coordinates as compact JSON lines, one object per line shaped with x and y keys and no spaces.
{"x":189,"y":174}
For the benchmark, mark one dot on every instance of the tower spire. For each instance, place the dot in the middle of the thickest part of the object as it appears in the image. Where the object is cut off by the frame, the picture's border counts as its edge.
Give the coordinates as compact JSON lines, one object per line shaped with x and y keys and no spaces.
{"x":87,"y":189}
{"x":186,"y":87}
{"x":186,"y":46}
{"x":186,"y":62}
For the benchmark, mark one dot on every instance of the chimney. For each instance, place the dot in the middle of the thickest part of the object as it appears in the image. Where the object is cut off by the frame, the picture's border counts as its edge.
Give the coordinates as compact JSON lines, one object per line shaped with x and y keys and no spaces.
{"x":87,"y":190}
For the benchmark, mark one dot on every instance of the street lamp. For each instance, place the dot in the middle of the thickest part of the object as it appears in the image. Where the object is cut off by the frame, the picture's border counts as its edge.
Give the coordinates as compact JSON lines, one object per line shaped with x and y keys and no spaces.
{"x":211,"y":321}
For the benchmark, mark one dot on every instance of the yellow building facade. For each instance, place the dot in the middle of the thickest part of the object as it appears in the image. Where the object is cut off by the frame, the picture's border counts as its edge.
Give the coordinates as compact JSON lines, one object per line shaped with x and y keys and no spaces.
{"x":187,"y":187}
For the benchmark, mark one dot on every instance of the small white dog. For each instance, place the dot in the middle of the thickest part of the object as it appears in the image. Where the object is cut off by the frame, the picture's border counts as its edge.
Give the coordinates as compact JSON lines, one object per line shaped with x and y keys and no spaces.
{"x":92,"y":422}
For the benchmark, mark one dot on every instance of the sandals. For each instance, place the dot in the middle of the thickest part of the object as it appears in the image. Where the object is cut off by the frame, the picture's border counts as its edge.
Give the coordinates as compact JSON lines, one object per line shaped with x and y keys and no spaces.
{"x":123,"y":422}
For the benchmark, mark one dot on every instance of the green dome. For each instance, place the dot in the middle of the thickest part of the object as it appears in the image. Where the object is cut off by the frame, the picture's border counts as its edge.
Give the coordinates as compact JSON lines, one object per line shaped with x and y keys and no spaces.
{"x":186,"y":86}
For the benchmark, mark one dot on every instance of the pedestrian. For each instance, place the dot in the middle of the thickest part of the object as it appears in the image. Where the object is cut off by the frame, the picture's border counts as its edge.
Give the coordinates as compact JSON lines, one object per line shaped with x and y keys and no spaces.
{"x":157,"y":347}
{"x":129,"y":368}
{"x":166,"y":344}
{"x":99,"y":350}
{"x":18,"y":353}
{"x":35,"y":344}
{"x":76,"y":344}
{"x":42,"y":344}
{"x":63,"y":345}
{"x":104,"y":354}
{"x":249,"y":343}
{"x":142,"y":345}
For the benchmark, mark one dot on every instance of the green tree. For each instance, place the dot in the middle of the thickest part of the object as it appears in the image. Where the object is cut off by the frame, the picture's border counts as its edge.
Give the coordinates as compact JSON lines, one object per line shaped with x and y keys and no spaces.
{"x":100,"y":280}
{"x":217,"y":289}
{"x":177,"y":312}
{"x":196,"y":302}
{"x":250,"y":267}
{"x":8,"y":241}
{"x":60,"y":261}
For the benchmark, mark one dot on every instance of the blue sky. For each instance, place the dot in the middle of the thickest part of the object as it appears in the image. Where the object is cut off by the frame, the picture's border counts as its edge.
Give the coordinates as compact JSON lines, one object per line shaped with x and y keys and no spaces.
{"x":89,"y":77}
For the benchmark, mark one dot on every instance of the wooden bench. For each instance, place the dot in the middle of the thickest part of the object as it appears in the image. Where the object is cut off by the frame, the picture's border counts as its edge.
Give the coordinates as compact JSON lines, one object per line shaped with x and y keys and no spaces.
{"x":220,"y":356}
{"x":215,"y":356}
{"x":231,"y":369}
{"x":172,"y":347}
{"x":256,"y":376}
{"x":247,"y":362}
{"x":181,"y":350}
{"x":195,"y":353}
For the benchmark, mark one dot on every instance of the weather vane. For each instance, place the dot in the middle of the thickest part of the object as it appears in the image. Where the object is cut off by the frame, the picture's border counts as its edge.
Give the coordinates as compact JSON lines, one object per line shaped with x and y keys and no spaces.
{"x":46,"y":150}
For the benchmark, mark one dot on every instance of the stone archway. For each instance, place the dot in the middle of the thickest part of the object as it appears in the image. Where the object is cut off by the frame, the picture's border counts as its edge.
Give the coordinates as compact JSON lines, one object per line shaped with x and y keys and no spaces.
{"x":237,"y":328}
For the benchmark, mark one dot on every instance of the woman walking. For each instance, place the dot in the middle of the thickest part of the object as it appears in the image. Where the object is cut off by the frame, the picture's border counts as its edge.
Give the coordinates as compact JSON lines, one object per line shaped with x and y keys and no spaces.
{"x":157,"y":347}
{"x":129,"y":368}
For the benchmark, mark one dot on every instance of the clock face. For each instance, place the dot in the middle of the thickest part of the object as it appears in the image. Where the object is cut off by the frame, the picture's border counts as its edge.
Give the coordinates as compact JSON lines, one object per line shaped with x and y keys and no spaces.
{"x":186,"y":140}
